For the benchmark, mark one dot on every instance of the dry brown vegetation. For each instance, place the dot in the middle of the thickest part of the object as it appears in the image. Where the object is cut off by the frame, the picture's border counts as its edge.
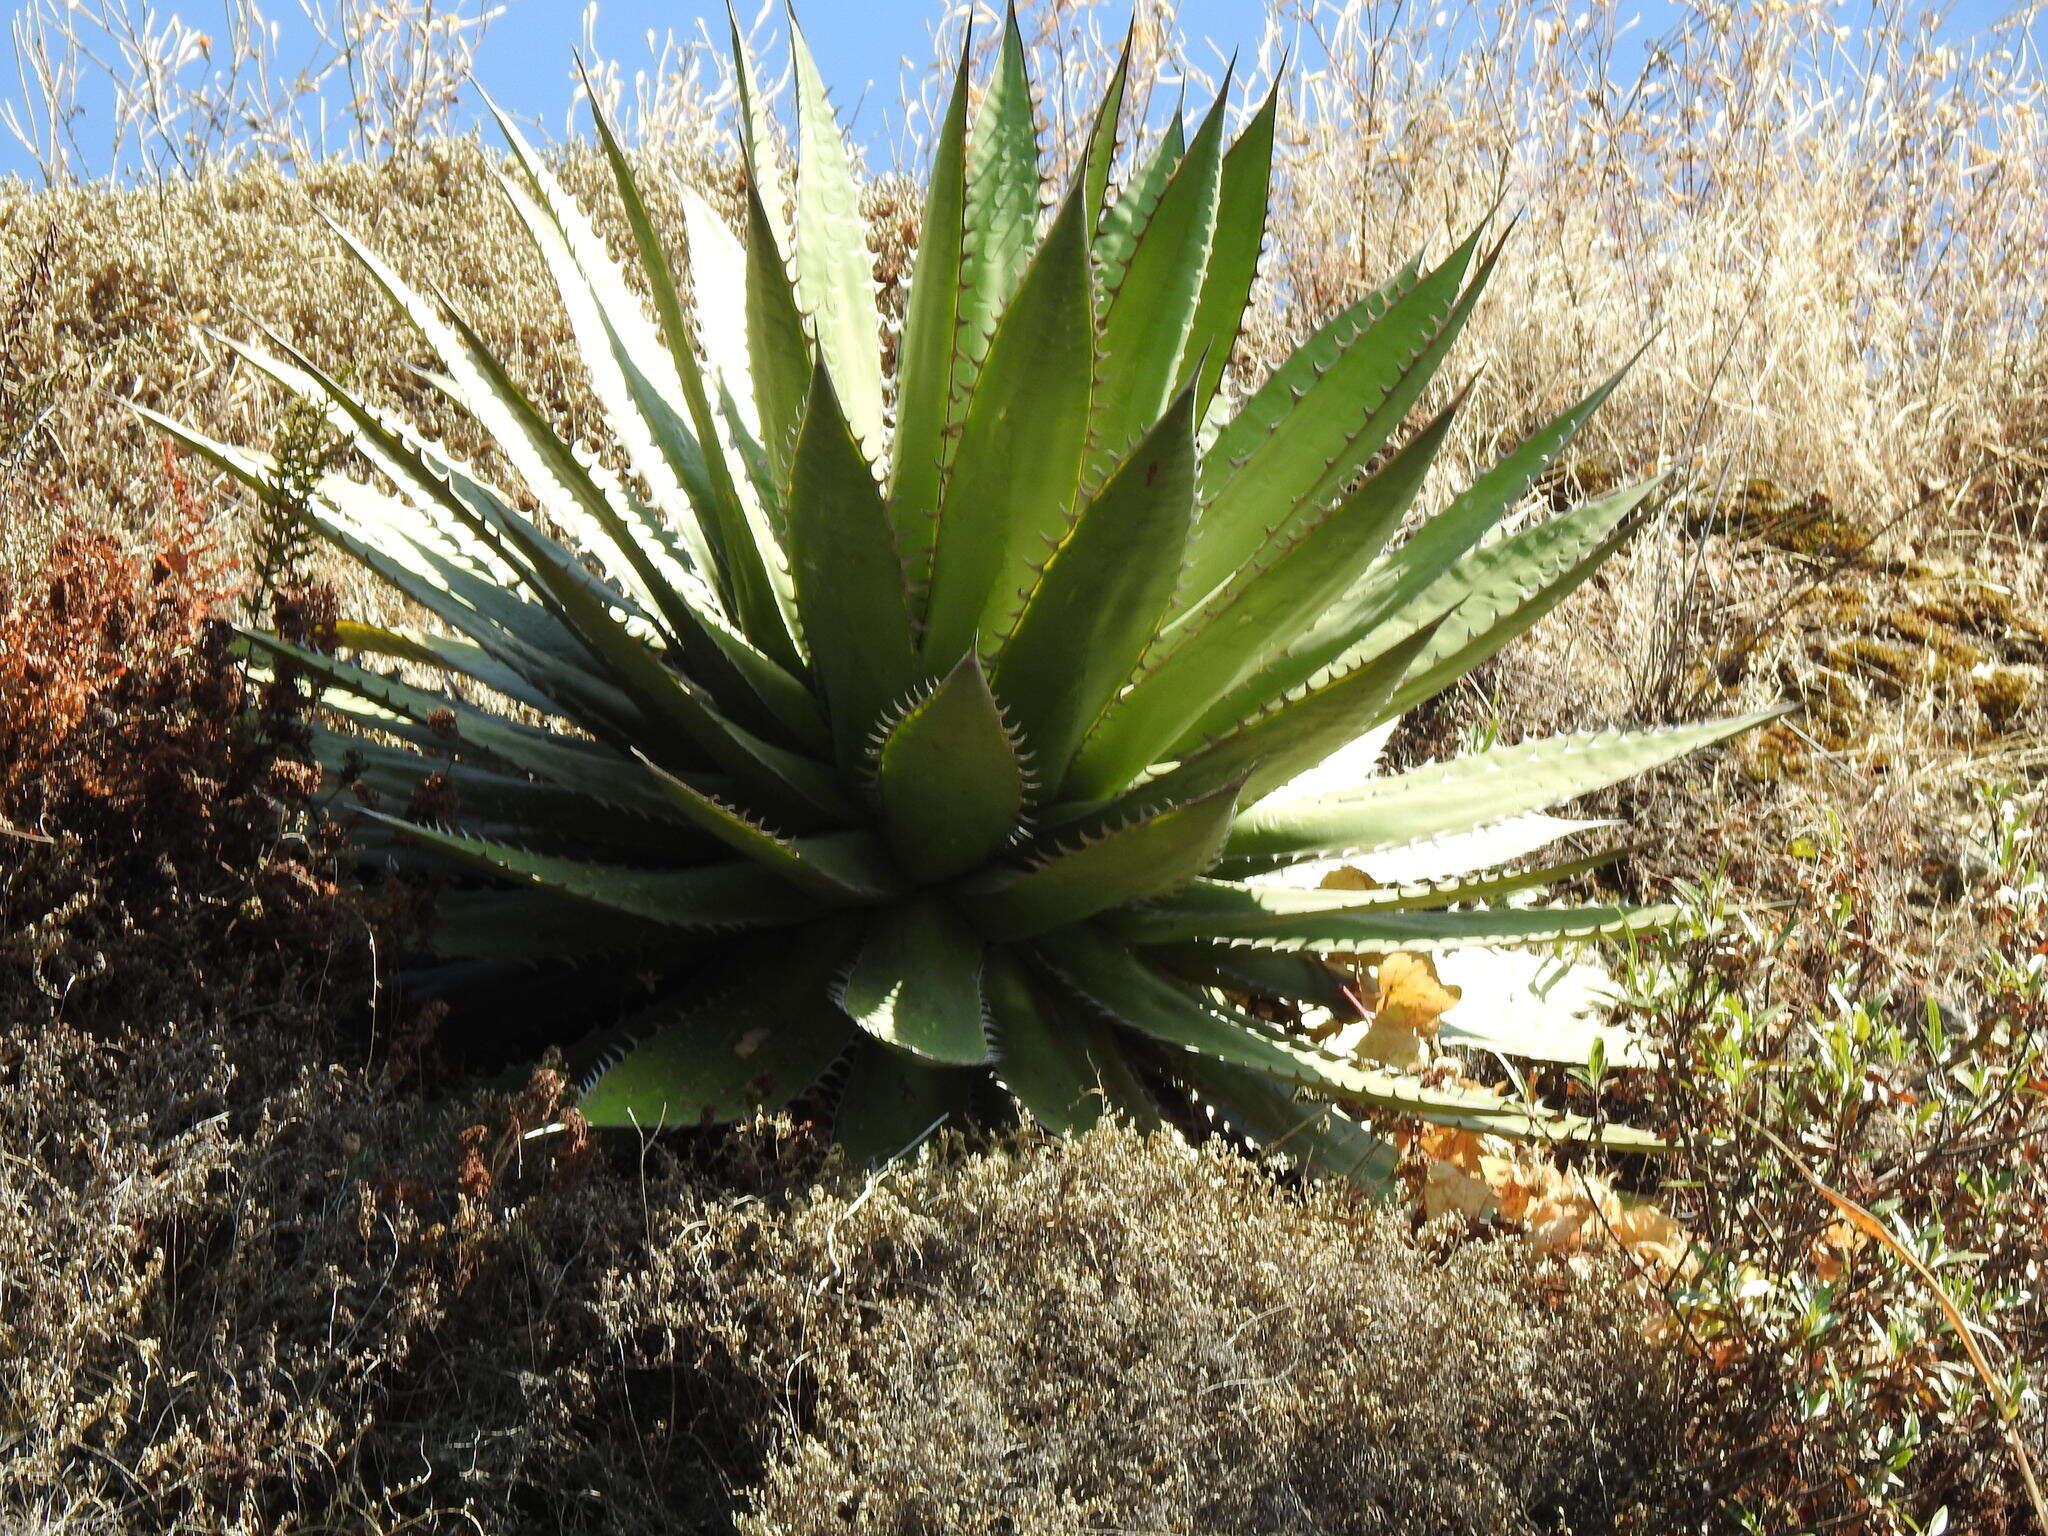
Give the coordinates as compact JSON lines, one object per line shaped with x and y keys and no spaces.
{"x":254,"y":1273}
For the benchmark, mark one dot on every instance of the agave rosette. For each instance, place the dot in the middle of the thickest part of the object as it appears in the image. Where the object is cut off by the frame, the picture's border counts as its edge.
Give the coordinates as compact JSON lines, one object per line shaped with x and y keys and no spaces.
{"x":929,"y":738}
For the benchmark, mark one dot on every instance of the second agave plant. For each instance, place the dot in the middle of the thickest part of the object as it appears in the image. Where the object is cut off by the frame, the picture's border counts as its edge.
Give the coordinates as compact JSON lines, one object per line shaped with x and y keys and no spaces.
{"x":925,"y":742}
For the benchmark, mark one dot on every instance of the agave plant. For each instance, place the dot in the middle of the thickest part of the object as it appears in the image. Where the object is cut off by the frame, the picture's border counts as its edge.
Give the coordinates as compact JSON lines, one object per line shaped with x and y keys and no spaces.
{"x":929,"y":737}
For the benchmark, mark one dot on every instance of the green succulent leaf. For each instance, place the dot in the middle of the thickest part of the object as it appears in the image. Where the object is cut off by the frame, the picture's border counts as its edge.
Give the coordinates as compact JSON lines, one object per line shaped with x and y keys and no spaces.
{"x":949,"y":778}
{"x":1314,"y":1134}
{"x":696,"y":1062}
{"x":1275,"y":746}
{"x":1347,"y":411}
{"x":1496,"y":593}
{"x":758,"y":139}
{"x":850,"y":868}
{"x":1019,"y":460}
{"x":1326,"y":921}
{"x":834,"y":269}
{"x":1438,"y":570}
{"x":1262,"y":610}
{"x":1468,"y":792}
{"x":849,"y":577}
{"x":1233,"y":262}
{"x":1117,"y":231}
{"x":891,"y":1101}
{"x":1103,"y":136}
{"x":1097,"y":604}
{"x":1043,"y":1052}
{"x":1160,"y":852}
{"x":742,"y":545}
{"x":1002,"y":204}
{"x":703,"y":897}
{"x":1109,"y":976}
{"x":925,"y":393}
{"x":917,"y":982}
{"x":778,"y":344}
{"x":1268,"y":973}
{"x":1150,"y":316}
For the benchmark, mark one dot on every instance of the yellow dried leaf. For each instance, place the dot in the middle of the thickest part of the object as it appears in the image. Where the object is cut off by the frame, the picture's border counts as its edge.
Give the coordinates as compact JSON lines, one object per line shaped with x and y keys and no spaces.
{"x":1349,"y":878}
{"x":1392,"y":1046}
{"x":1447,"y":1188}
{"x":1411,"y":997}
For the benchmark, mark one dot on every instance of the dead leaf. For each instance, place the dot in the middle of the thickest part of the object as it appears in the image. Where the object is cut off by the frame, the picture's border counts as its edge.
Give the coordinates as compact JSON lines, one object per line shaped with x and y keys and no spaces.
{"x":1410,"y":1001}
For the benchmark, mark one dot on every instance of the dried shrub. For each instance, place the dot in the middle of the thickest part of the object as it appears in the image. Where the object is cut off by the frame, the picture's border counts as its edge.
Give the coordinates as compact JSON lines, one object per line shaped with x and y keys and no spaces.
{"x":244,"y":1291}
{"x":1121,"y":1333}
{"x":154,"y":810}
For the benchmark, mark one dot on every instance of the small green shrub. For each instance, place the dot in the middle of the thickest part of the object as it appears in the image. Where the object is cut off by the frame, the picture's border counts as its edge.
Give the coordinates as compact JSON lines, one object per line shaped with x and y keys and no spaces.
{"x":1839,"y":1397}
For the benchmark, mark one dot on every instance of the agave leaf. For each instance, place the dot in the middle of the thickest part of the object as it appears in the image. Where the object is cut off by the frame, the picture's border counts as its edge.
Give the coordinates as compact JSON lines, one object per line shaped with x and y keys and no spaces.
{"x":1435,"y":572}
{"x":464,"y":658}
{"x":676,"y":711}
{"x":1450,"y":857}
{"x":758,"y":141}
{"x":574,"y":493}
{"x":1002,"y":205}
{"x":1265,"y":607}
{"x":1232,"y":442}
{"x":1097,"y":603}
{"x":1345,"y":414}
{"x":1469,"y":792}
{"x":1145,"y":330}
{"x":734,"y":529}
{"x":587,"y":767}
{"x":891,"y":1101}
{"x":1043,"y":1057}
{"x":851,"y":868}
{"x":849,"y":577}
{"x":705,"y":897}
{"x":489,"y":796}
{"x":1265,"y":751}
{"x":1506,"y":588}
{"x":924,"y":373}
{"x":1104,"y":134}
{"x":1482,"y":886}
{"x":1269,"y":973}
{"x":1064,"y":1067}
{"x":483,"y":566}
{"x":917,"y":982}
{"x":732,"y":525}
{"x":1283,"y":919}
{"x":520,"y":926}
{"x":949,"y":779}
{"x":1163,"y":851}
{"x":1020,"y":447}
{"x":778,"y":345}
{"x":835,"y":274}
{"x":707,"y":1063}
{"x":447,"y":585}
{"x":636,"y":385}
{"x":1318,"y":1137}
{"x":441,"y":506}
{"x":1126,"y":989}
{"x":1121,"y":224}
{"x":1233,"y":251}
{"x":630,"y":369}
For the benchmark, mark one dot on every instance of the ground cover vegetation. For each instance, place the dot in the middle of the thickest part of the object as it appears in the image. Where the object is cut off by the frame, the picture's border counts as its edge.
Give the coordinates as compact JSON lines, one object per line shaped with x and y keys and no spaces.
{"x":270,"y":1222}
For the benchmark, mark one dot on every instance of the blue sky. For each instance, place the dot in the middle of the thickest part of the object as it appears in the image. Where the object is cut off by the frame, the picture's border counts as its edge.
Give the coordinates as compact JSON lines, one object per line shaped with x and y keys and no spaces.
{"x":860,"y":45}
